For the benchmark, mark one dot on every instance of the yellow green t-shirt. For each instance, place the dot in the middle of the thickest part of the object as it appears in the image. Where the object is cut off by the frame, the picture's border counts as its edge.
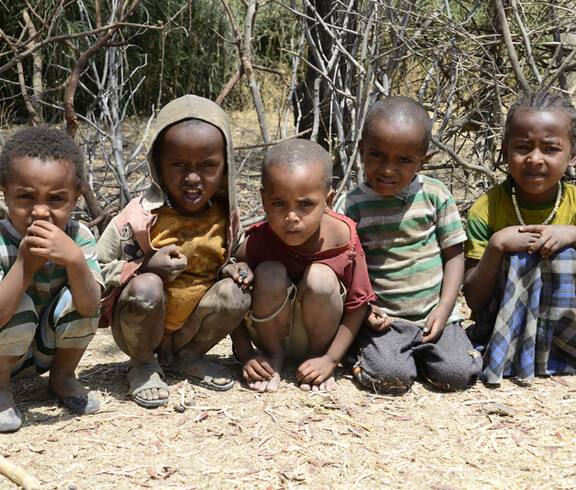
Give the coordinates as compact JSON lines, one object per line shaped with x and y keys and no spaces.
{"x":494,"y":211}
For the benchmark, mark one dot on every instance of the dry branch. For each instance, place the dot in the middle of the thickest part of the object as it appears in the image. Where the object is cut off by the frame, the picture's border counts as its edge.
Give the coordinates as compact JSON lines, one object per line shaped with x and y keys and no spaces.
{"x":19,"y":475}
{"x":336,"y":414}
{"x":465,"y":61}
{"x":101,"y":41}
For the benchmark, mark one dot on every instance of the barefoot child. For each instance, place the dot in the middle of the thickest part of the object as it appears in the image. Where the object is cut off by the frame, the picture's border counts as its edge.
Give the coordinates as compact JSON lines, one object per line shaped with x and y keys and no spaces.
{"x":311,"y":286}
{"x":520,"y":254}
{"x":411,"y":230}
{"x":50,"y":283}
{"x":172,"y":290}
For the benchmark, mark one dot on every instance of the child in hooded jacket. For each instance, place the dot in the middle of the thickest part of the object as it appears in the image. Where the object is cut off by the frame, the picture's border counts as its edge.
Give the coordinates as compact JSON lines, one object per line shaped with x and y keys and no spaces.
{"x":173,"y":290}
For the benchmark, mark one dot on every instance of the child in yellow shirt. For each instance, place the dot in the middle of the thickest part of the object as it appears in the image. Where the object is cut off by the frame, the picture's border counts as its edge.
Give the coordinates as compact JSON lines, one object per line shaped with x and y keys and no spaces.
{"x":173,"y":290}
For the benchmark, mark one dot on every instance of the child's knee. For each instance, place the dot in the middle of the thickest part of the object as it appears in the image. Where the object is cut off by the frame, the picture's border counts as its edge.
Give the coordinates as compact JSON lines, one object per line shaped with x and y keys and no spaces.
{"x":458,"y":374}
{"x":76,"y":334}
{"x":231,"y":297}
{"x":320,"y":281}
{"x":383,"y":381}
{"x":27,"y":305}
{"x":453,"y":381}
{"x":17,"y":335}
{"x":271,"y":277}
{"x":453,"y":363}
{"x":383,"y":374}
{"x":143,"y":293}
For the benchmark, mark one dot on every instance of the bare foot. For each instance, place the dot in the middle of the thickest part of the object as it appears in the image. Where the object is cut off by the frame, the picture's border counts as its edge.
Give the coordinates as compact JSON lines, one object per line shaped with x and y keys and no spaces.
{"x":329,"y":384}
{"x":269,"y":385}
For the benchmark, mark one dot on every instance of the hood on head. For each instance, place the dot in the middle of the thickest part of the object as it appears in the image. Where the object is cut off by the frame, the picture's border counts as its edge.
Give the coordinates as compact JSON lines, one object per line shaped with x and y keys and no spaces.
{"x":193,"y":107}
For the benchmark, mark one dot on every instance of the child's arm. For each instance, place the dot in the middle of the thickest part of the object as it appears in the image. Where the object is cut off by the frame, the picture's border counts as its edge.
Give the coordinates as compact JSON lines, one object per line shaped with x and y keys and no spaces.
{"x":316,"y":370}
{"x":166,"y":262}
{"x":240,"y":271}
{"x":481,"y":275}
{"x":255,"y":366}
{"x":14,"y":284}
{"x":453,"y":275}
{"x":50,"y":242}
{"x":377,"y":319}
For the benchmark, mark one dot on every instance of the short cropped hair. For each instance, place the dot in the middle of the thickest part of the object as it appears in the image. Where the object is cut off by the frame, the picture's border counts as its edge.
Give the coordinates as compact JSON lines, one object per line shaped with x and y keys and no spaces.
{"x":296,"y":153}
{"x":400,"y":109}
{"x":45,"y":144}
{"x":543,"y":101}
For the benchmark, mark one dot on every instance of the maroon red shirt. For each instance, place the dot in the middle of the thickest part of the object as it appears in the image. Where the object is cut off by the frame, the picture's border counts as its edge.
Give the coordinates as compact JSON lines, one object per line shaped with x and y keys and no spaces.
{"x":347,"y":261}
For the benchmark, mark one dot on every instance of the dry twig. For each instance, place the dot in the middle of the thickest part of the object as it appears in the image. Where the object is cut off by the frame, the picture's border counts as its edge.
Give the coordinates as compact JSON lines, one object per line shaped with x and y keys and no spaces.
{"x":336,"y":414}
{"x":19,"y":475}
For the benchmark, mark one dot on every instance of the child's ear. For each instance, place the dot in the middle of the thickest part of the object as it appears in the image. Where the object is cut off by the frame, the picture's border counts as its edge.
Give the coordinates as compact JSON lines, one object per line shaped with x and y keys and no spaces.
{"x":330,"y":197}
{"x":78,"y":194}
{"x":572,"y":161}
{"x":424,"y":160}
{"x":361,"y":148}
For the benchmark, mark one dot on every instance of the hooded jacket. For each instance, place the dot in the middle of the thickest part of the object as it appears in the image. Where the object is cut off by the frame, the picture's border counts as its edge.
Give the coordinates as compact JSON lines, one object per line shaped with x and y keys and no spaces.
{"x":126,"y":241}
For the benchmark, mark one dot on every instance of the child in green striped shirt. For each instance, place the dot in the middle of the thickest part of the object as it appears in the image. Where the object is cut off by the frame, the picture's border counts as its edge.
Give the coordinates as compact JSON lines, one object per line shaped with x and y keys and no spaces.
{"x":50,"y":282}
{"x":412,"y":234}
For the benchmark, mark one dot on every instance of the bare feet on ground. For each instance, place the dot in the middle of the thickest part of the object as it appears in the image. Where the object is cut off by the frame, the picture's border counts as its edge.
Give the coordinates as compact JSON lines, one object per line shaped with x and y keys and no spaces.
{"x":269,"y":385}
{"x":329,"y":384}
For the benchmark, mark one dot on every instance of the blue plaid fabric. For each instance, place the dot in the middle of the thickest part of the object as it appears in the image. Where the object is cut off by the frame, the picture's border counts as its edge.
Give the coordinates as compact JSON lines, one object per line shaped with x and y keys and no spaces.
{"x":529,"y":328}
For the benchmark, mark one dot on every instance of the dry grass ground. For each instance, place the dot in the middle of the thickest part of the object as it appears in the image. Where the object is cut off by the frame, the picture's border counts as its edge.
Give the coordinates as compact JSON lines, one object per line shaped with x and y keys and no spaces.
{"x":516,"y":436}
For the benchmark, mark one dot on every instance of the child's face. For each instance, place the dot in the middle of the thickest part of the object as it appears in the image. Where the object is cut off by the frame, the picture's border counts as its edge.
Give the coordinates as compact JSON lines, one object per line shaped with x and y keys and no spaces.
{"x":294,"y":201}
{"x":40,"y":190}
{"x":392,"y":155}
{"x":538,"y":152}
{"x":191,"y":161}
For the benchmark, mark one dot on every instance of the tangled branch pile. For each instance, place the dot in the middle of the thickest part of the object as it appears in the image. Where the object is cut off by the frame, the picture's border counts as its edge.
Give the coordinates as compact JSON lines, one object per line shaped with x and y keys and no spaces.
{"x":316,"y":65}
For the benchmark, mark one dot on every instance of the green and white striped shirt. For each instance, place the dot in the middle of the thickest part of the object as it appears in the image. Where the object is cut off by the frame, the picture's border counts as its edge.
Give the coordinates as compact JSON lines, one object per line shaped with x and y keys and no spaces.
{"x":52,"y":277}
{"x":403,"y":237}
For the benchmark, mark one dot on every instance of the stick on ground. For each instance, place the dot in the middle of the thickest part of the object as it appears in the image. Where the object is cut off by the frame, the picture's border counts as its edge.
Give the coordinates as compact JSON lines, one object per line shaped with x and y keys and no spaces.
{"x":19,"y":475}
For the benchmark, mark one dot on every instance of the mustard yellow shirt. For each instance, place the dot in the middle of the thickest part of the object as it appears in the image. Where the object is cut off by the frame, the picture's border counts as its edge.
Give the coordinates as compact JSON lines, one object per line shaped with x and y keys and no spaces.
{"x":202,"y":239}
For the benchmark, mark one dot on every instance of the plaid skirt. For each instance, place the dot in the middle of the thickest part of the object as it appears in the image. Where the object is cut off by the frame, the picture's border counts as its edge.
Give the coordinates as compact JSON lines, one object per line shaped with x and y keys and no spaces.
{"x":529,"y":327}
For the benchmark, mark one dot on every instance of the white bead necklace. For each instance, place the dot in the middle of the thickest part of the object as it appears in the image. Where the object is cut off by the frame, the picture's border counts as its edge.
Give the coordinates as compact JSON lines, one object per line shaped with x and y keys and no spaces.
{"x":550,"y":216}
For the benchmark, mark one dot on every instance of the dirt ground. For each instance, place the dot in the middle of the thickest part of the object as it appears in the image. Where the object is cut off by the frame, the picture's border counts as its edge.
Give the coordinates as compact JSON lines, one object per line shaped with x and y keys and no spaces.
{"x":515,"y":436}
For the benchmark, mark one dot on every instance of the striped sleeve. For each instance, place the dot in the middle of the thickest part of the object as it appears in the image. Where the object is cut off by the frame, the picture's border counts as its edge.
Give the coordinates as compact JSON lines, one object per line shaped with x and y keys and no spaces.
{"x":84,"y":238}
